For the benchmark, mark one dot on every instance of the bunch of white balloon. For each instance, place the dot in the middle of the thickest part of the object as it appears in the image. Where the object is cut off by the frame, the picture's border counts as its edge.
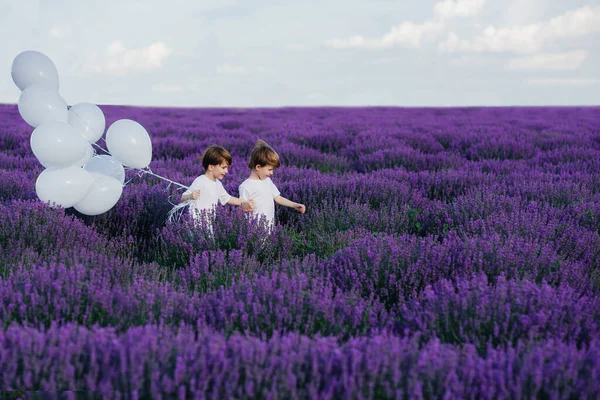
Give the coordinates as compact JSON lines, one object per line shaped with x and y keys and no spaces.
{"x":63,"y":140}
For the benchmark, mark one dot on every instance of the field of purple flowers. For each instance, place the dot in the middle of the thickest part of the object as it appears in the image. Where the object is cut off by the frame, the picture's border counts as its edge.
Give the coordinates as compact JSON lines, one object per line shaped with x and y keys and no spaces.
{"x":445,"y":253}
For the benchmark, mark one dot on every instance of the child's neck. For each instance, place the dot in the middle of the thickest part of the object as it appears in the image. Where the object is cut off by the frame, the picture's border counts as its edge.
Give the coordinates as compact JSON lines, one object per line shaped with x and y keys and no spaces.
{"x":254,"y":176}
{"x":210,"y":176}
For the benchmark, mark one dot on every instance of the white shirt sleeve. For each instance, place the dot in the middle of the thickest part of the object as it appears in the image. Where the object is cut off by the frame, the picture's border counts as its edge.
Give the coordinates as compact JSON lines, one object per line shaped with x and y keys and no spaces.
{"x":244,"y":194}
{"x":222,"y":193}
{"x":274,"y":191}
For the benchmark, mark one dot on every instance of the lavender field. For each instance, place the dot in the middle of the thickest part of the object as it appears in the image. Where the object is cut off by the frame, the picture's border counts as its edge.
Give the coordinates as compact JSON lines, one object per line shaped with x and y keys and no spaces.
{"x":444,"y":253}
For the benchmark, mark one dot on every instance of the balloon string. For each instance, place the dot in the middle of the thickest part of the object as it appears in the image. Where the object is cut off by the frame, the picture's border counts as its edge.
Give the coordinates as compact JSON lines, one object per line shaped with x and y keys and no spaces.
{"x":149,"y":172}
{"x":132,"y":178}
{"x":146,"y":170}
{"x":101,"y":148}
{"x":177,"y":210}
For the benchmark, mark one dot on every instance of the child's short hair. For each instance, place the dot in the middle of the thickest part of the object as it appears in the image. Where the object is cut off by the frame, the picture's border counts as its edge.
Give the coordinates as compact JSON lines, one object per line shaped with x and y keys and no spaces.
{"x":263,"y":155}
{"x":215,"y":155}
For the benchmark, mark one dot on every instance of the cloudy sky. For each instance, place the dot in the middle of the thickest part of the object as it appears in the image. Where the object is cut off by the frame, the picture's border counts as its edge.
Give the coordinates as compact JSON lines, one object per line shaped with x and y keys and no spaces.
{"x":271,"y":53}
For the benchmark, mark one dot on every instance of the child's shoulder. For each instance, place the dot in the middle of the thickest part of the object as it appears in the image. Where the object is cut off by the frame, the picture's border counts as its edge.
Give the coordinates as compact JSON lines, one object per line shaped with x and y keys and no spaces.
{"x":200,"y":180}
{"x":197,"y":179}
{"x":249,"y":182}
{"x":269,"y":182}
{"x":244,"y":183}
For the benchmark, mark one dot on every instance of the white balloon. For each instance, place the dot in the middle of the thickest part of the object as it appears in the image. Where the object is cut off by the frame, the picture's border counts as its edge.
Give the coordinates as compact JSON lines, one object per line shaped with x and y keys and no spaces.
{"x":64,"y":187}
{"x":57,"y":144}
{"x":88,"y":119}
{"x":89,"y":153}
{"x":104,"y":194}
{"x":106,"y":165}
{"x":128,"y":142}
{"x":39,"y":104}
{"x":34,"y":68}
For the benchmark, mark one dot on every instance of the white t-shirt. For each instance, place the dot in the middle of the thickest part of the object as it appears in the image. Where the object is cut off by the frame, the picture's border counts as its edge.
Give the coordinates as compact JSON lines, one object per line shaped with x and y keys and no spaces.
{"x":211,"y":193}
{"x":262,"y":192}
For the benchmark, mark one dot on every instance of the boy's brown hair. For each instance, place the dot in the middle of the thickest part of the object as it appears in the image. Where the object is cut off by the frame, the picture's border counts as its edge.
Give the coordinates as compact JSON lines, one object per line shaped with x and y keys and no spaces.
{"x":215,"y":155}
{"x":262,"y":154}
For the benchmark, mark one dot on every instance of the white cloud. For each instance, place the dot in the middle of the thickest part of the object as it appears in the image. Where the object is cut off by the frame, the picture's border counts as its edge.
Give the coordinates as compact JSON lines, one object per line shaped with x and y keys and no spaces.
{"x":525,"y":39}
{"x":118,"y":60}
{"x":529,"y":38}
{"x":407,"y":34}
{"x":580,"y":22}
{"x":457,"y":8}
{"x":411,"y":34}
{"x":553,"y":61}
{"x":166,"y":88}
{"x":563,"y":81}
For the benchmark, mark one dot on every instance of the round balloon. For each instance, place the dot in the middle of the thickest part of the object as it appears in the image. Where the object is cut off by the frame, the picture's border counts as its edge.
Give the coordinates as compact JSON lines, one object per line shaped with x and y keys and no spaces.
{"x":63,"y":187}
{"x":88,"y":120}
{"x":58,"y":144}
{"x":106,"y":165}
{"x":128,"y":142}
{"x":104,"y":194}
{"x":34,"y":68}
{"x":39,"y":104}
{"x":89,"y":153}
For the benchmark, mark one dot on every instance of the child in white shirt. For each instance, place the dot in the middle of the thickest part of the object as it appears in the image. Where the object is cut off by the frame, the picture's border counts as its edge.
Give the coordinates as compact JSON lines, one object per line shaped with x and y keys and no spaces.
{"x":259,"y":187}
{"x":216,"y":161}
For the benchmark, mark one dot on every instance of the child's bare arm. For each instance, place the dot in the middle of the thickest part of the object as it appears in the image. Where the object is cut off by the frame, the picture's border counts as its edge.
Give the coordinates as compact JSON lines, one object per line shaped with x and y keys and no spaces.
{"x":301,"y":208}
{"x":246,"y":205}
{"x":190,"y":196}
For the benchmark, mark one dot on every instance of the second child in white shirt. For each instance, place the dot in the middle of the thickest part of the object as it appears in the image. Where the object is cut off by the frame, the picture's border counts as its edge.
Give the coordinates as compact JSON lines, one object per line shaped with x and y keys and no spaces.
{"x":259,"y":186}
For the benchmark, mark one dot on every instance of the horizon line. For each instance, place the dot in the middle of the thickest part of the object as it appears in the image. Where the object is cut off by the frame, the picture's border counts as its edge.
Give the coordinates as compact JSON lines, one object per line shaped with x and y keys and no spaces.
{"x":336,"y":106}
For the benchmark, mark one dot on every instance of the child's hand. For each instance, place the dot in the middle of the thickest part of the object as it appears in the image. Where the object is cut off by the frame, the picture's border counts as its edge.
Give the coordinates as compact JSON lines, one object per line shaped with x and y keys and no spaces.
{"x":248,"y":205}
{"x":301,"y":208}
{"x":195,"y":194}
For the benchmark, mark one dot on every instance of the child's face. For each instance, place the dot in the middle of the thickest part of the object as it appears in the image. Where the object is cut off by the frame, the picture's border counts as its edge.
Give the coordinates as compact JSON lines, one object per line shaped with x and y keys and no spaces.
{"x":264,"y":172}
{"x":219,"y":171}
